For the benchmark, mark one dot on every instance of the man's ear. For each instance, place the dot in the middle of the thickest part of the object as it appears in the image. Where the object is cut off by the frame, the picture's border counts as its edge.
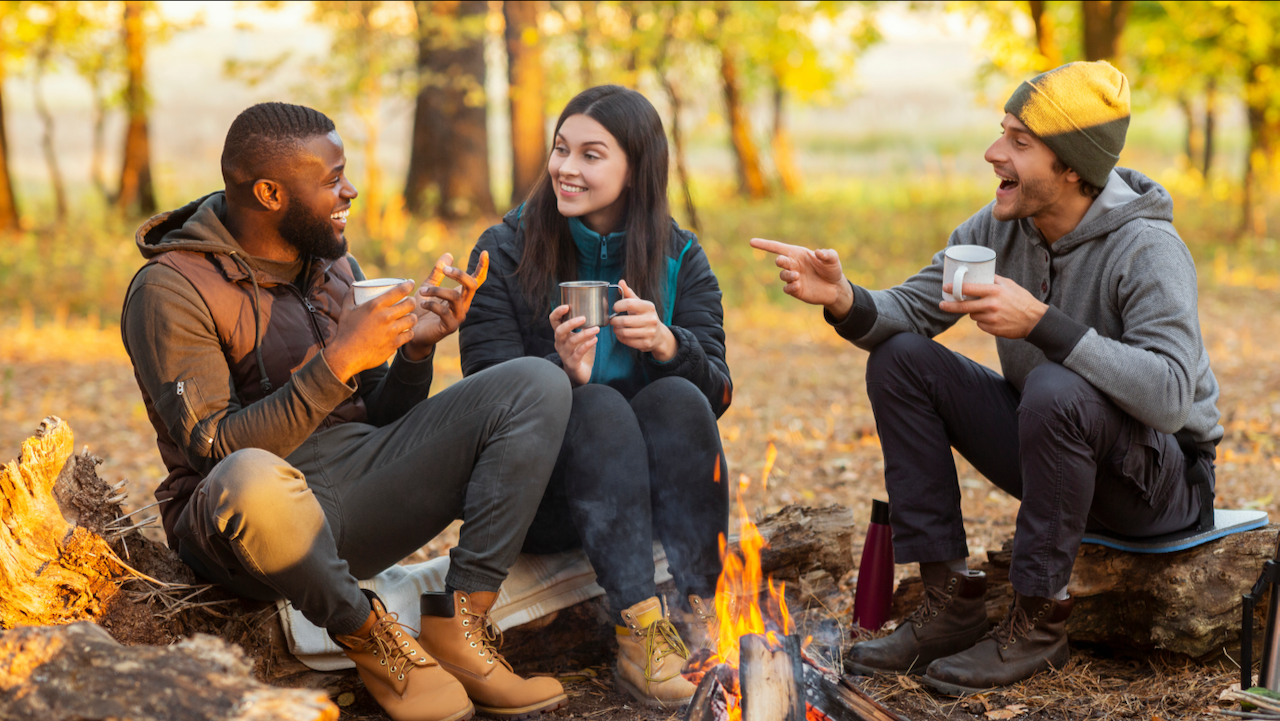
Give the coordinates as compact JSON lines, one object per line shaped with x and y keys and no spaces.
{"x":269,"y":194}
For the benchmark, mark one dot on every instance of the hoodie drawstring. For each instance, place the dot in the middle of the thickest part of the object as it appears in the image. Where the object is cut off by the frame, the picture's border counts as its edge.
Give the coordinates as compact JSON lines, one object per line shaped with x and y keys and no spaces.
{"x":264,"y":383}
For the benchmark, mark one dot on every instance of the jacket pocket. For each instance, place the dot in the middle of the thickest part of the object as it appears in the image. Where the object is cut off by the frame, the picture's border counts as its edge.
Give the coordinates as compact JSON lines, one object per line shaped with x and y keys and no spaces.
{"x":181,"y":407}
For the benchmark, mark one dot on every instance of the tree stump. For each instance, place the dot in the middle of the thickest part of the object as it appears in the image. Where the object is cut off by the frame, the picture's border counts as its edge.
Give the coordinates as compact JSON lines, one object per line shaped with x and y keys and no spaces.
{"x":52,"y":571}
{"x":61,"y":673}
{"x":1187,"y":602}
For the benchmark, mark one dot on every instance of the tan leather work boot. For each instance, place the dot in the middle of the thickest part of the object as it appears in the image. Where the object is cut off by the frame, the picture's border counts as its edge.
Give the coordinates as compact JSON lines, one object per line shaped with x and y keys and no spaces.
{"x":952,"y":618}
{"x":456,"y":630}
{"x":651,"y":656}
{"x":1031,"y":638}
{"x":403,"y":679}
{"x":700,"y":623}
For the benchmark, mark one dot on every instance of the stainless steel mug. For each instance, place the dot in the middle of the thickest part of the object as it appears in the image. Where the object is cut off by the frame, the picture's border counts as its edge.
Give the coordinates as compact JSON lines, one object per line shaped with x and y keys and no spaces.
{"x":587,"y":298}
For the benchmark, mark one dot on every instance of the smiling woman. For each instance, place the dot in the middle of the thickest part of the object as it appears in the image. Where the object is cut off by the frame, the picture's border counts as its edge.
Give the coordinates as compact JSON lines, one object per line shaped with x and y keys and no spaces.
{"x":641,"y":456}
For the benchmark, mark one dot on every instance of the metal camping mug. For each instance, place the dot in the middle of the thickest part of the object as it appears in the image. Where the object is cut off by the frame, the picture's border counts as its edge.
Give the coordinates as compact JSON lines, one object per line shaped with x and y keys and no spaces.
{"x":587,"y":298}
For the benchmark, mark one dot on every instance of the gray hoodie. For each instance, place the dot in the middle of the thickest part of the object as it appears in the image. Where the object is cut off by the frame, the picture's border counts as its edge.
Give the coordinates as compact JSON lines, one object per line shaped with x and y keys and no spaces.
{"x":1121,"y":290}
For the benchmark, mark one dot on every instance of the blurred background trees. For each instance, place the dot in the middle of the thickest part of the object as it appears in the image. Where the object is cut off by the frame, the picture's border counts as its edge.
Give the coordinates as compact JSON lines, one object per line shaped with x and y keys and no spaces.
{"x":447,"y":106}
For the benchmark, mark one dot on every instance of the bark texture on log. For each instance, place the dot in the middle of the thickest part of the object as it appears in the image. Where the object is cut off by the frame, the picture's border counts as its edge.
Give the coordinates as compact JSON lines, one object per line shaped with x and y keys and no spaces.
{"x":51,"y":571}
{"x":80,"y":672}
{"x":1186,"y":602}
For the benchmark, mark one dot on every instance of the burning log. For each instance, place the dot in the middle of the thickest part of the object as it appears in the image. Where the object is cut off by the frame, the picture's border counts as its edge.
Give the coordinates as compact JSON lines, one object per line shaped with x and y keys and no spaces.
{"x":1187,"y":602}
{"x":771,"y":677}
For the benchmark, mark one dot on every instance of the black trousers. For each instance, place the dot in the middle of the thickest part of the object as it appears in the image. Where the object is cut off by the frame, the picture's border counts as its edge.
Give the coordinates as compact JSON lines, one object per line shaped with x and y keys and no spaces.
{"x":1074,"y":459}
{"x":630,"y":470}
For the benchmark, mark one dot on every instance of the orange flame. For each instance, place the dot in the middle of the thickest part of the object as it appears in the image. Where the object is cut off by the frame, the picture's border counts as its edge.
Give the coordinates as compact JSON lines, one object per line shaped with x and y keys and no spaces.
{"x":770,"y":455}
{"x":716,"y":474}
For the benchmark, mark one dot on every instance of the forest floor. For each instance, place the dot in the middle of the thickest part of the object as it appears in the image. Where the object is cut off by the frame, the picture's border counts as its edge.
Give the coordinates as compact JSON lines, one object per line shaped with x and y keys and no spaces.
{"x":801,"y":387}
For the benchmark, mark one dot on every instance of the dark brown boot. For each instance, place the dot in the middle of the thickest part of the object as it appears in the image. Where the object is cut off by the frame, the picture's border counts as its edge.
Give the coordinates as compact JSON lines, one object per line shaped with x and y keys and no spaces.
{"x":952,"y":618}
{"x":1031,"y":638}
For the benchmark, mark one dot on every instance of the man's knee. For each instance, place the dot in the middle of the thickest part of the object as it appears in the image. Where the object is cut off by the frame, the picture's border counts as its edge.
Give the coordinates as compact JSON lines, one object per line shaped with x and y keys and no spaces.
{"x":252,"y":483}
{"x":1054,"y":391}
{"x":543,"y":384}
{"x":888,"y":359}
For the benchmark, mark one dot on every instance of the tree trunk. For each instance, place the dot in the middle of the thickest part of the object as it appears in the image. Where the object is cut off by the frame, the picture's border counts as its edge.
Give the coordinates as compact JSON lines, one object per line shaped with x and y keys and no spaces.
{"x":1045,"y":42}
{"x":1186,"y":602}
{"x":466,"y":190}
{"x":584,"y":42}
{"x":528,"y":95}
{"x":137,"y":195}
{"x":1191,"y":145}
{"x":1104,"y":22}
{"x":8,"y":202}
{"x":99,"y":139}
{"x":427,"y":147}
{"x":47,"y":144}
{"x":676,"y":101}
{"x":367,"y":102}
{"x":1210,"y":117}
{"x":750,"y":178}
{"x":1261,"y":158}
{"x":783,"y":155}
{"x":450,"y":143}
{"x":61,"y":673}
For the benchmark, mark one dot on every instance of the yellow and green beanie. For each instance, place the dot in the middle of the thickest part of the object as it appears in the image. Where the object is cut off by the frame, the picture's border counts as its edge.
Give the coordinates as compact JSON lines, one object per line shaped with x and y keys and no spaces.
{"x":1081,"y":111}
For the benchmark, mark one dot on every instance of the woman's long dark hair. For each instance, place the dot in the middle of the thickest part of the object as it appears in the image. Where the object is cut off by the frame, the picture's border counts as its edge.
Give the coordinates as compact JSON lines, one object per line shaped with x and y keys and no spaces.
{"x":549,"y":253}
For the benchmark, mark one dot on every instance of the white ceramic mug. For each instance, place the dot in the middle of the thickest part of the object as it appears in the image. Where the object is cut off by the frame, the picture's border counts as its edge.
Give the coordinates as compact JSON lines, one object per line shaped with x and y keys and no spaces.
{"x":367,"y":290}
{"x":967,"y":264}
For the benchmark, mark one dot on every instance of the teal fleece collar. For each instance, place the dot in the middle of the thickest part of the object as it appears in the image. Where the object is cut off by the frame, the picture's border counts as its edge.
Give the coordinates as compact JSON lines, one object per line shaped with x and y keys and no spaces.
{"x":594,"y":250}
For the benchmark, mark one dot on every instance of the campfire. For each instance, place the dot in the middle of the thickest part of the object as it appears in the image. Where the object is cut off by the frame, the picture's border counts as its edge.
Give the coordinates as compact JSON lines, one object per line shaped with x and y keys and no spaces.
{"x":759,"y":670}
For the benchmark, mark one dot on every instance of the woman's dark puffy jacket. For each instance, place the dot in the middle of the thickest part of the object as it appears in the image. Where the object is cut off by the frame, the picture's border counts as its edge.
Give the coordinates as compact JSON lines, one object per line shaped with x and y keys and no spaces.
{"x":502,"y":325}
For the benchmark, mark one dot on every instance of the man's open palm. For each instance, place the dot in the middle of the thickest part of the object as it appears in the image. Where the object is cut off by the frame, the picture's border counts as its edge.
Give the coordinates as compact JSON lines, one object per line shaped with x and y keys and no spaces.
{"x":813,"y":276}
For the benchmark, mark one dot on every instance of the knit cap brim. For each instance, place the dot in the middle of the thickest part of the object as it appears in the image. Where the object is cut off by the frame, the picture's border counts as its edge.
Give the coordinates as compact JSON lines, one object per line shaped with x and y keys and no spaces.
{"x":1081,"y":111}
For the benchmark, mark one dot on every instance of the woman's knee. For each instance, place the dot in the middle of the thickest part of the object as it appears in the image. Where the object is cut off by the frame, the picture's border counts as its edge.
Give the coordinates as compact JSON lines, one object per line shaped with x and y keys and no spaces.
{"x":671,"y":395}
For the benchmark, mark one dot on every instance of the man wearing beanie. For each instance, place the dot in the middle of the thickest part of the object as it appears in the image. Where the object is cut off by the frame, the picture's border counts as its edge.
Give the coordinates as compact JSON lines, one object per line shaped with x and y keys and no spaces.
{"x":1104,"y":416}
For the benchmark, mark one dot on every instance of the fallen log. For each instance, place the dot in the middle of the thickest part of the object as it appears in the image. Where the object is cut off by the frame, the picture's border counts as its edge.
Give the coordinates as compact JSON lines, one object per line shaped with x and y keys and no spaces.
{"x":65,"y":673}
{"x":1187,"y":602}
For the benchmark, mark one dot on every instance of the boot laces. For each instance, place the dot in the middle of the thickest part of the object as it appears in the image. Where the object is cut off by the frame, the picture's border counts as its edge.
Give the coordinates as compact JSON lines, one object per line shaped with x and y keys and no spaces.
{"x":1013,"y":626}
{"x":661,"y":639}
{"x":388,"y":641}
{"x":935,"y":601}
{"x":488,"y":637}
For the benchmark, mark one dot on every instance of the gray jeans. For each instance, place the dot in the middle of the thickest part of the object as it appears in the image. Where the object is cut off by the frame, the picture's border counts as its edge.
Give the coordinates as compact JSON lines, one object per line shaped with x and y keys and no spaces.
{"x":1074,"y":459}
{"x":355,"y":499}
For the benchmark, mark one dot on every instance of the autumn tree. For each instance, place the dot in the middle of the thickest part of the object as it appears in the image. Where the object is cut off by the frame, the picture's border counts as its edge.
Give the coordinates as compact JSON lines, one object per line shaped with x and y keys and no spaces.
{"x":137,"y":194}
{"x":8,"y":200}
{"x":1103,"y":24}
{"x":450,"y":147}
{"x":528,"y":95}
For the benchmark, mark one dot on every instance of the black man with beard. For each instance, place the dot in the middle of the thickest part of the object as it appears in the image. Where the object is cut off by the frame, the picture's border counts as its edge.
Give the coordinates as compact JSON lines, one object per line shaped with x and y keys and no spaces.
{"x":299,"y":460}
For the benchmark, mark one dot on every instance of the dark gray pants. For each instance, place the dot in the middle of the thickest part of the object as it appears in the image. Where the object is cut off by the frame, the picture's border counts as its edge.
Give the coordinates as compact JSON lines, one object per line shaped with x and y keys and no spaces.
{"x":630,"y":470}
{"x":355,"y":499}
{"x":1072,"y":457}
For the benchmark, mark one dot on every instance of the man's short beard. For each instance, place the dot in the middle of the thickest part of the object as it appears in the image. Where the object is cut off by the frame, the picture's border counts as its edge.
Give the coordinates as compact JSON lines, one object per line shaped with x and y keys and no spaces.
{"x":1033,"y":196}
{"x":311,"y":234}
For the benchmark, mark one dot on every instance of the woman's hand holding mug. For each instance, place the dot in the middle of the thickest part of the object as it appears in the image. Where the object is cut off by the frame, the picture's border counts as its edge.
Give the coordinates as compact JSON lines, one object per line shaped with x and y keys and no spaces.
{"x":577,"y":350}
{"x":637,"y":325}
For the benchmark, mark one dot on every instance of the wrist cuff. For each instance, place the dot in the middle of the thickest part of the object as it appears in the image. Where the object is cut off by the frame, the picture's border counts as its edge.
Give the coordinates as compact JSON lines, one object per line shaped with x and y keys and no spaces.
{"x":862,"y":316}
{"x":1057,"y":334}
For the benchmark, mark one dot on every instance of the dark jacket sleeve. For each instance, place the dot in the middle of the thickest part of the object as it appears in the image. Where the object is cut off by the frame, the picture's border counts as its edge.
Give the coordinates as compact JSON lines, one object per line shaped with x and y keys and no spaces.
{"x":698,"y":325}
{"x":393,"y":392}
{"x":491,"y":332}
{"x":178,"y":359}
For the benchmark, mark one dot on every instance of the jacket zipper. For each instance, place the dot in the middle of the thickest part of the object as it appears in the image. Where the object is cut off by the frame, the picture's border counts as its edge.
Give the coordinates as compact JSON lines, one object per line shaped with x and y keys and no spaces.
{"x":181,"y":392}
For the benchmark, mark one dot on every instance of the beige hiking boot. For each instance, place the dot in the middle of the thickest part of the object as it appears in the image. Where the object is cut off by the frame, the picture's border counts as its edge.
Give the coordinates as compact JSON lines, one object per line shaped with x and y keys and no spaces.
{"x":651,"y":656}
{"x":700,"y":622}
{"x":401,"y":677}
{"x":456,"y":630}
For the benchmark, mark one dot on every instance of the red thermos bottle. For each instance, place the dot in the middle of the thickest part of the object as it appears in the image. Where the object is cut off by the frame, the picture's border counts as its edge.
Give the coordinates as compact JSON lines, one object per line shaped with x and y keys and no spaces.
{"x":874,"y":594}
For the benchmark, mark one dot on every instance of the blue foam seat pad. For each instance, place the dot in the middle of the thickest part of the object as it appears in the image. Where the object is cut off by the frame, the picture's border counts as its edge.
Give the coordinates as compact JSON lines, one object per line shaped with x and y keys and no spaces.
{"x":1225,"y":523}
